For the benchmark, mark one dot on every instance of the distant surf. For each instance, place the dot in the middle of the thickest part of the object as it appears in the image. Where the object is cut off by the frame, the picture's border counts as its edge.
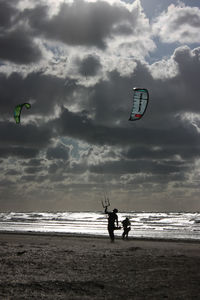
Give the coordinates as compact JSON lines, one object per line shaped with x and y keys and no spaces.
{"x":182,"y":226}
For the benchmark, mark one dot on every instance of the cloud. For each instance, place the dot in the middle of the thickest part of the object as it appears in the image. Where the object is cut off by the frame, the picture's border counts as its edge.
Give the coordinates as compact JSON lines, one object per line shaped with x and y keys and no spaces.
{"x":44,"y":31}
{"x":76,"y":138}
{"x":89,"y":66}
{"x":167,"y":152}
{"x":18,"y":47}
{"x":80,"y":127}
{"x":178,"y":24}
{"x":139,"y":166}
{"x":25,"y":141}
{"x":23,"y":152}
{"x":119,"y":28}
{"x":33,"y":170}
{"x":179,"y":92}
{"x":33,"y":162}
{"x":44,"y":91}
{"x":7,"y":13}
{"x":58,"y":152}
{"x":78,"y":23}
{"x":16,"y":43}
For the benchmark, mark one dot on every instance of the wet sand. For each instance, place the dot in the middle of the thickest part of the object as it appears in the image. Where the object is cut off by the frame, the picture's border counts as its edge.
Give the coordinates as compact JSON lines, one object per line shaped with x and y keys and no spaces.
{"x":67,"y":267}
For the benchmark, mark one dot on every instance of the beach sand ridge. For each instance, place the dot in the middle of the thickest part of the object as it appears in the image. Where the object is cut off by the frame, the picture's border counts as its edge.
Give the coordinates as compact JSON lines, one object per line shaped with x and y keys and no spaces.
{"x":66,"y":267}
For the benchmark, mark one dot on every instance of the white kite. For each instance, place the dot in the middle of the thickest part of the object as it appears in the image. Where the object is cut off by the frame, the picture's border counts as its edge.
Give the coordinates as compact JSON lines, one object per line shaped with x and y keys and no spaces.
{"x":140,"y":102}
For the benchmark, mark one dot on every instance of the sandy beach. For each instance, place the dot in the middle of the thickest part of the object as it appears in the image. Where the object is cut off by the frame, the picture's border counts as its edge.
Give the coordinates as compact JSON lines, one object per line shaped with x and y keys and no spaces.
{"x":67,"y":267}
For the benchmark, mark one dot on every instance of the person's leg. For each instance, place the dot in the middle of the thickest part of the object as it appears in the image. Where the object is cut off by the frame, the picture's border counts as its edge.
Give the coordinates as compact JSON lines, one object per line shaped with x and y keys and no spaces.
{"x":128,"y":229}
{"x":111,"y":233}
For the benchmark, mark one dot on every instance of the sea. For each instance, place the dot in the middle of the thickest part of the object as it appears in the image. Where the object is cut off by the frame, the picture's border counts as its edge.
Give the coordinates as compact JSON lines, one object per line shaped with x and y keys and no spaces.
{"x":173,"y":226}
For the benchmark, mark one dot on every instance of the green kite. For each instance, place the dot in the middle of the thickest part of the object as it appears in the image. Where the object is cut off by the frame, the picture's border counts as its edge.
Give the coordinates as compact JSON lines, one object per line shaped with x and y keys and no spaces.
{"x":18,"y":109}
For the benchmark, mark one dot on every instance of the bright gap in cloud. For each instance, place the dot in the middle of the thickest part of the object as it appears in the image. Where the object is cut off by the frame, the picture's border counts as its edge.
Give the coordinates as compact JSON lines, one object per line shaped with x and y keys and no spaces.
{"x":193,"y":119}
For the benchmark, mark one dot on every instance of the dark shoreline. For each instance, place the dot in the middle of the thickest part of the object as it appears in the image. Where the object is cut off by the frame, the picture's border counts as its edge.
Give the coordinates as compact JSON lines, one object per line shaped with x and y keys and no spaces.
{"x":60,"y":234}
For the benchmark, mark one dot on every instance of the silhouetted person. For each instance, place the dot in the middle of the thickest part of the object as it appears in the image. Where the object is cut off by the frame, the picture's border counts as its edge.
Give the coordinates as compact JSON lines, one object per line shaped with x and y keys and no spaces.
{"x":112,"y":220}
{"x":127,"y":227}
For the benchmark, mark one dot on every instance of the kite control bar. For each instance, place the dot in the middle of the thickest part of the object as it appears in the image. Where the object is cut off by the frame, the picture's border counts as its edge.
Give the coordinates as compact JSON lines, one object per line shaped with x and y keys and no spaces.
{"x":106,"y":202}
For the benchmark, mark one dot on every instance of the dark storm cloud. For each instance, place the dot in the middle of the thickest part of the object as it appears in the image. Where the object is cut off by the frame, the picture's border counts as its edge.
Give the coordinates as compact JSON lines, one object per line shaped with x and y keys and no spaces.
{"x":45,"y":90}
{"x":56,"y":166}
{"x":89,"y":66}
{"x":188,"y":79}
{"x":12,"y":172}
{"x":33,"y":178}
{"x":16,"y":43}
{"x":137,"y":166}
{"x":32,"y":170}
{"x":28,"y":178}
{"x":169,"y":97}
{"x":33,"y":162}
{"x":167,"y":152}
{"x":155,"y":141}
{"x":80,"y":23}
{"x":24,"y":141}
{"x":147,"y":155}
{"x":161,"y":178}
{"x":77,"y":168}
{"x":58,"y":152}
{"x":18,"y":47}
{"x":41,"y":178}
{"x":112,"y":100}
{"x":22,"y":152}
{"x":78,"y":126}
{"x":7,"y":13}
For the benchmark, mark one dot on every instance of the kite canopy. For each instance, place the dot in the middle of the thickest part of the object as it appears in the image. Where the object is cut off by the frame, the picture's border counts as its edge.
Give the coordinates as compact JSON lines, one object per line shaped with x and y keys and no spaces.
{"x":18,"y":109}
{"x":140,"y":102}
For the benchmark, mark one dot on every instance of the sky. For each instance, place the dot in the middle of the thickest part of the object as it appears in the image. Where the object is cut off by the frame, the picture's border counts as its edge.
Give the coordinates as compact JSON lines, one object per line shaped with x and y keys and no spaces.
{"x":76,"y":63}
